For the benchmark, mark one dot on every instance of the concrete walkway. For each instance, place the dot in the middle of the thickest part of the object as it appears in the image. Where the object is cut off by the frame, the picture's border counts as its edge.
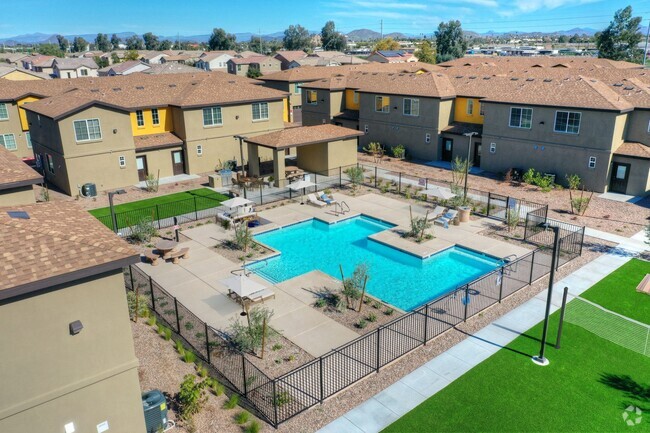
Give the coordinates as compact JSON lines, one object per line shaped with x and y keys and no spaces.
{"x":395,"y":401}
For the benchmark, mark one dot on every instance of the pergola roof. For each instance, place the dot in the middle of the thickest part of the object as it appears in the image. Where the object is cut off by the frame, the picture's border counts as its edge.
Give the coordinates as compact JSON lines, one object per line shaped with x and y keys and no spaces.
{"x":303,"y":135}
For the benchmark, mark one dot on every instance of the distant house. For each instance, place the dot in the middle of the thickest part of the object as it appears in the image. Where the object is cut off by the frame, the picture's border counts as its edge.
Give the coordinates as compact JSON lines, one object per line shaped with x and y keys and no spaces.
{"x":170,"y":68}
{"x":177,"y":58}
{"x":246,"y":54}
{"x":286,"y":57}
{"x":13,"y":58}
{"x":265,"y":64}
{"x":126,"y":68}
{"x":398,"y":56}
{"x":336,"y":60}
{"x":14,"y":73}
{"x":215,"y":60}
{"x":39,"y":63}
{"x":153,"y":57}
{"x":75,"y":68}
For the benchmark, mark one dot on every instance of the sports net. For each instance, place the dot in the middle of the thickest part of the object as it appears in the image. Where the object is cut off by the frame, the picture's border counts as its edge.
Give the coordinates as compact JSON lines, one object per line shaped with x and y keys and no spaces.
{"x":611,"y":326}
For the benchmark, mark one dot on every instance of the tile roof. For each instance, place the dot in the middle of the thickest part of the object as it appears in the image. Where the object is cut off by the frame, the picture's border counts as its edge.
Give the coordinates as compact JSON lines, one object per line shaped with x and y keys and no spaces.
{"x":637,"y":150}
{"x":290,"y":55}
{"x":461,"y":128}
{"x":211,"y":55}
{"x":303,"y":135}
{"x":546,"y":62}
{"x":169,"y":68}
{"x":76,"y":63}
{"x":5,"y":70}
{"x":156,"y":141}
{"x":15,"y":173}
{"x":252,"y":59}
{"x":311,"y":73}
{"x":59,"y":240}
{"x":119,"y":68}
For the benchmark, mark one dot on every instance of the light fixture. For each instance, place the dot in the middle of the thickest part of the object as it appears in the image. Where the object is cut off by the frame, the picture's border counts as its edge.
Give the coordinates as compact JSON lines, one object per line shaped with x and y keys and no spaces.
{"x":76,"y":327}
{"x":69,"y":427}
{"x":114,"y":130}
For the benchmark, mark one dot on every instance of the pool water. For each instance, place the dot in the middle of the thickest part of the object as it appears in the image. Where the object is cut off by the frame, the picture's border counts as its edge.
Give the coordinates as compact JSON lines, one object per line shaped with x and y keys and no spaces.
{"x":398,"y":278}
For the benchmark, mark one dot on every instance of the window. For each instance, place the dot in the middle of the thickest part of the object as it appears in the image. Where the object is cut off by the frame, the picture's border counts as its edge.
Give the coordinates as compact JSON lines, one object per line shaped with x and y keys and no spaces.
{"x":411,"y":107}
{"x":382,"y":104}
{"x":592,"y":162}
{"x":199,"y":149}
{"x":50,"y":163}
{"x":155,"y":117}
{"x":521,"y":117}
{"x":493,"y":148}
{"x":239,"y":67}
{"x":481,"y":110}
{"x":89,"y":129}
{"x":8,"y":141}
{"x":297,"y":89}
{"x":260,"y":111}
{"x":4,"y":114}
{"x":312,"y":97}
{"x":469,"y":107}
{"x":84,"y":72}
{"x":139,"y":115}
{"x":122,"y":160}
{"x":427,"y":138}
{"x":365,"y":128}
{"x":28,"y":139}
{"x":567,"y":121}
{"x":355,"y":97}
{"x":1,"y":117}
{"x":212,"y":116}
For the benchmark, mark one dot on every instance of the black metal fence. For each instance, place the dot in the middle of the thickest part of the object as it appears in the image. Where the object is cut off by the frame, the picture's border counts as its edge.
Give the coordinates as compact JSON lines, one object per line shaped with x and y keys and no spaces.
{"x":279,"y":399}
{"x":538,"y":231}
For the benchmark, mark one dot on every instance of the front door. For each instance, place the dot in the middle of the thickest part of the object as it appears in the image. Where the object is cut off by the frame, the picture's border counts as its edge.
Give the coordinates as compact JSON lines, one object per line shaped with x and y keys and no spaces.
{"x":177,"y":162}
{"x":141,"y":163}
{"x":477,"y":155}
{"x":447,"y":149}
{"x":620,"y":175}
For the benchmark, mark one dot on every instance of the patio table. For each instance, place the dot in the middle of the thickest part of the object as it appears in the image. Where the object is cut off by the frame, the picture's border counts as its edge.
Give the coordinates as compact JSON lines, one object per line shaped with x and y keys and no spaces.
{"x":166,"y":246}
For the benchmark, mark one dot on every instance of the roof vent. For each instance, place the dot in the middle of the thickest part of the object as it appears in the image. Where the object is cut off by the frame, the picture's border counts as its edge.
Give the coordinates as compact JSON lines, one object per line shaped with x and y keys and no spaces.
{"x":139,"y":87}
{"x":116,"y":89}
{"x":514,"y":79}
{"x":473,"y":77}
{"x":94,"y":90}
{"x":618,"y":84}
{"x":486,"y":78}
{"x":628,"y":88}
{"x":530,"y":79}
{"x":548,"y":80}
{"x":172,"y":85}
{"x":18,"y":214}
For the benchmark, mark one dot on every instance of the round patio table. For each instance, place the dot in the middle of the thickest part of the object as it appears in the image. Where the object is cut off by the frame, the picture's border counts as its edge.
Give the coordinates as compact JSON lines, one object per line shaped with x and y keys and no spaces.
{"x":166,"y":246}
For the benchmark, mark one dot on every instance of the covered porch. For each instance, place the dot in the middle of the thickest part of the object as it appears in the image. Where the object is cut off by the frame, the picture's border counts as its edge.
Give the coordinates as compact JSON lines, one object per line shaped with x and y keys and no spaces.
{"x":320,"y":149}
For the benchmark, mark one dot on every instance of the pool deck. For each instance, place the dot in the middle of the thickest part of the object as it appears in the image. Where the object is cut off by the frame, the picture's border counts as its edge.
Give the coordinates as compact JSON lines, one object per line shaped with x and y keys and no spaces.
{"x":195,"y":281}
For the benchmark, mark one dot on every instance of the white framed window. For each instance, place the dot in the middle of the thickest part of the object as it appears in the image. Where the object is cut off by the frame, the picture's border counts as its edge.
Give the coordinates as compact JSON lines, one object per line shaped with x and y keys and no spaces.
{"x":212,"y":116}
{"x":122,"y":161}
{"x":493,"y":148}
{"x":260,"y":111}
{"x":84,"y":72}
{"x":28,"y":140}
{"x":139,"y":116}
{"x":199,"y":149}
{"x":8,"y":141}
{"x":427,"y":138}
{"x":411,"y":107}
{"x":481,"y":109}
{"x":382,"y":104}
{"x":469,"y":108}
{"x":312,"y":97}
{"x":567,"y":122}
{"x":521,"y":117}
{"x":155,"y":117}
{"x":87,"y":129}
{"x":592,"y":162}
{"x":4,"y":114}
{"x":365,"y":129}
{"x":50,"y":163}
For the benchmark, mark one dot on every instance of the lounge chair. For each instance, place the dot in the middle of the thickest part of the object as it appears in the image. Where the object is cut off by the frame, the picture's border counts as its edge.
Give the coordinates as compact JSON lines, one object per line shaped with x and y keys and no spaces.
{"x":311,"y":199}
{"x":260,"y":296}
{"x":447,"y":218}
{"x":437,"y":213}
{"x":325,"y":198}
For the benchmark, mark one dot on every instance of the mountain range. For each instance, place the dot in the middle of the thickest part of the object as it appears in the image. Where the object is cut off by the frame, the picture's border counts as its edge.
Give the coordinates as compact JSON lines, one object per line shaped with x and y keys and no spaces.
{"x":355,"y":35}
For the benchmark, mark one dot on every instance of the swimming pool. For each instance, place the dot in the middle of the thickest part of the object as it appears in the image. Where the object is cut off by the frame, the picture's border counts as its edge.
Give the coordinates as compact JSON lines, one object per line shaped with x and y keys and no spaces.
{"x":396,"y":277}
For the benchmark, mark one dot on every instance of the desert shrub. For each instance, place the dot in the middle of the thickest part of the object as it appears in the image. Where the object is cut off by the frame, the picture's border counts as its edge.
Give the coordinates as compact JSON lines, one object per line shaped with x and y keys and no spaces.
{"x":254,"y":427}
{"x":242,"y":417}
{"x":143,"y":230}
{"x":188,"y":356}
{"x":243,"y":237}
{"x":281,"y":398}
{"x":355,"y":174}
{"x":191,"y":396}
{"x":201,"y":370}
{"x":232,"y":402}
{"x":389,"y":311}
{"x":249,"y":338}
{"x":141,"y":301}
{"x":362,"y":323}
{"x":151,"y":321}
{"x":372,"y":317}
{"x":320,"y":303}
{"x":151,"y":183}
{"x":398,"y":151}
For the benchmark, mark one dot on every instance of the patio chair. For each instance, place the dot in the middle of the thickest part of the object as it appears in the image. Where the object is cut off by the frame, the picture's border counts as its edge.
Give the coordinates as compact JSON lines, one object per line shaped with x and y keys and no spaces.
{"x":324,"y":198}
{"x":311,"y":199}
{"x":437,"y":213}
{"x":447,"y":218}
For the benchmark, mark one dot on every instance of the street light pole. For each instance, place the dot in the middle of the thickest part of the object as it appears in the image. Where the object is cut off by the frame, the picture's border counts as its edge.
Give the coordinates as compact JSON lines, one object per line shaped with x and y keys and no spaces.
{"x":241,"y":139}
{"x":469,"y":151}
{"x":541,"y":360}
{"x":110,"y":205}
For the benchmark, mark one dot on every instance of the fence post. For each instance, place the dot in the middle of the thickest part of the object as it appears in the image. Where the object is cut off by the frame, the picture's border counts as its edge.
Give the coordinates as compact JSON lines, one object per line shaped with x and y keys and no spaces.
{"x":582,"y":240}
{"x":261,"y":195}
{"x":426,"y":183}
{"x":426,"y":323}
{"x":158,"y":216}
{"x":378,"y":354}
{"x":532,"y":267}
{"x":487,"y":212}
{"x":322,"y":390}
{"x":178,"y":320}
{"x":340,"y":176}
{"x":153,"y":297}
{"x":131,"y":277}
{"x":375,"y":176}
{"x":244,"y":188}
{"x":466,"y":301}
{"x":399,"y":185}
{"x":207,"y":342}
{"x":503,"y":274}
{"x":243,"y":372}
{"x":275,"y":404}
{"x":526,"y":226}
{"x":196,"y":210}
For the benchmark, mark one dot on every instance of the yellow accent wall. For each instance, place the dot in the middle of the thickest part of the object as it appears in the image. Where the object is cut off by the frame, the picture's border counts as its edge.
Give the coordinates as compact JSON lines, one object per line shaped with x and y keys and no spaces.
{"x":460,"y":111}
{"x":349,"y":100}
{"x":285,"y":113}
{"x":21,"y":112}
{"x":21,"y":76}
{"x":166,"y":123}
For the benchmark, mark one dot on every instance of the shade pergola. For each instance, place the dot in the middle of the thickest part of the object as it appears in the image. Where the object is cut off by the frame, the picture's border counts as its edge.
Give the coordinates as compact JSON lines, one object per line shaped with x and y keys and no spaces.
{"x":236,"y":202}
{"x":300,"y":185}
{"x":242,"y":285}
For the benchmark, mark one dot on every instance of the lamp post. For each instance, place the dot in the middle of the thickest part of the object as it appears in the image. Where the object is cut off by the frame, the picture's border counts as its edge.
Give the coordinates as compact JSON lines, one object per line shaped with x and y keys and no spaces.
{"x":541,"y":359}
{"x":469,"y":151}
{"x":241,"y":139}
{"x":110,"y":205}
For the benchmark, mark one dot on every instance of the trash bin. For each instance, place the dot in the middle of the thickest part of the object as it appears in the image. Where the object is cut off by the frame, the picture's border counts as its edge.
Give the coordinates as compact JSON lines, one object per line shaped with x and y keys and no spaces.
{"x":463,"y":214}
{"x":226,"y":177}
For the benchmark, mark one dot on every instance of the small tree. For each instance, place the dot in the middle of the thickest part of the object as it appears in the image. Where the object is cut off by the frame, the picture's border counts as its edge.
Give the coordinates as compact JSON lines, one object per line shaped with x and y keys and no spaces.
{"x":426,"y":53}
{"x":248,"y":337}
{"x":131,"y":55}
{"x":352,"y":287}
{"x":398,"y":151}
{"x":387,"y":44}
{"x":513,"y":216}
{"x":253,"y":72}
{"x":191,"y":396}
{"x":355,"y":174}
{"x":419,"y":226}
{"x":580,"y":204}
{"x":151,"y":183}
{"x":243,"y":237}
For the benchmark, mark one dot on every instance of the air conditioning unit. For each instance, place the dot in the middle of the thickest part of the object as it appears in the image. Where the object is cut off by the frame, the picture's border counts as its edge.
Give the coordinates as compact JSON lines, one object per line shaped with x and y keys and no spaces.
{"x":89,"y":190}
{"x":155,"y":411}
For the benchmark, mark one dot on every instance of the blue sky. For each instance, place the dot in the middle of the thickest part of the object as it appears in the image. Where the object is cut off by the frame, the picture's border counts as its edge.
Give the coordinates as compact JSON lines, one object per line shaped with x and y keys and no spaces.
{"x":191,"y":17}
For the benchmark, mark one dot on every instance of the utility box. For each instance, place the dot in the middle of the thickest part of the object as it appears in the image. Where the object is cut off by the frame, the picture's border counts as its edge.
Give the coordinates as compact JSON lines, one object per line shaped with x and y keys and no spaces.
{"x":154,"y":405}
{"x":214,"y":180}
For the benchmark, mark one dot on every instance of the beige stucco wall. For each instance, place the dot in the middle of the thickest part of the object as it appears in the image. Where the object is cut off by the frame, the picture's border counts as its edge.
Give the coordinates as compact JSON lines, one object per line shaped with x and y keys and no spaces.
{"x":17,"y":196}
{"x":13,"y":126}
{"x":639,"y":178}
{"x":637,"y":127}
{"x":50,"y":378}
{"x":159,"y":160}
{"x":326,"y":158}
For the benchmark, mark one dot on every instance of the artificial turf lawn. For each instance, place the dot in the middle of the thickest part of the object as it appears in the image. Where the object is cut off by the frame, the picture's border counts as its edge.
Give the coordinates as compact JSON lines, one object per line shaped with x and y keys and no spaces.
{"x":509,"y":393}
{"x":617,"y":291}
{"x":168,"y":206}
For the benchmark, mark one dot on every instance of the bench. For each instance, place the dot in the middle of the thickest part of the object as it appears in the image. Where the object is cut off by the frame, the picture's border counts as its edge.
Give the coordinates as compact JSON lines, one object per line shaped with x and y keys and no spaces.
{"x":174,"y":256}
{"x":151,"y":257}
{"x":644,"y":285}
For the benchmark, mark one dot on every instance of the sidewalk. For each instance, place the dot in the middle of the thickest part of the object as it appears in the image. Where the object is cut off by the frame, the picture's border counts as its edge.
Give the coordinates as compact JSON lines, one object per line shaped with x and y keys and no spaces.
{"x":395,"y":401}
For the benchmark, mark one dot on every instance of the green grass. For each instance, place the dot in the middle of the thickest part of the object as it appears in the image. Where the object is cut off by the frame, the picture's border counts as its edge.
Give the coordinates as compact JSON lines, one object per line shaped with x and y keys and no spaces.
{"x":586,"y":387}
{"x":167,"y":206}
{"x":617,"y":291}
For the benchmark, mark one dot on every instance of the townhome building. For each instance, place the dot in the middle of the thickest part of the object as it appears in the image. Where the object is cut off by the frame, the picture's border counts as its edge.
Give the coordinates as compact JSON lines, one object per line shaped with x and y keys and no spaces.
{"x":75,"y":67}
{"x":124,"y":68}
{"x":287,"y":56}
{"x":264,"y":64}
{"x":215,"y":60}
{"x":39,"y":63}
